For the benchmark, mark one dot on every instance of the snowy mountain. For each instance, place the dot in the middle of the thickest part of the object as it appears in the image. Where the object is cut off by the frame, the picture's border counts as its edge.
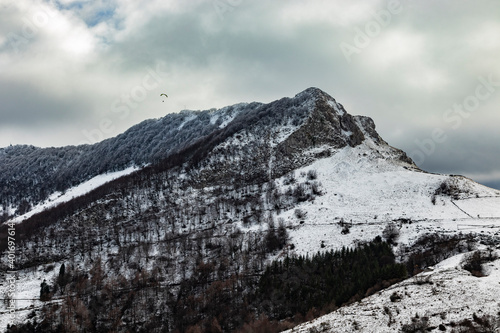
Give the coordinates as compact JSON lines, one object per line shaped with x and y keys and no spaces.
{"x":182,"y":237}
{"x":29,"y":175}
{"x":42,"y":172}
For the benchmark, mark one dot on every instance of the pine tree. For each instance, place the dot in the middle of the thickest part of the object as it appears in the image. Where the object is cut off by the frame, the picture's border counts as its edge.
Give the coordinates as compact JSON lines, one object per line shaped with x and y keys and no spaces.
{"x":44,"y":291}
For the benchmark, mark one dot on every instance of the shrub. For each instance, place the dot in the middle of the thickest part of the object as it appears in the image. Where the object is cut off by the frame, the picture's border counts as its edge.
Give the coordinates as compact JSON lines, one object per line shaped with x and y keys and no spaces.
{"x":301,"y":193}
{"x":395,"y":297}
{"x":430,"y":249}
{"x":391,"y":233}
{"x":300,"y":214}
{"x":474,"y":262}
{"x":418,"y":325}
{"x":49,"y":268}
{"x":448,"y":188}
{"x":346,"y":227}
{"x":316,"y":188}
{"x":312,"y":174}
{"x":486,"y":323}
{"x":45,"y":291}
{"x":289,"y":178}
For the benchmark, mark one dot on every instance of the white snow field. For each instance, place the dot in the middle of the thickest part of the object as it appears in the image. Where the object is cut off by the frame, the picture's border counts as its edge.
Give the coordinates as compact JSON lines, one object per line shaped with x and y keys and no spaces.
{"x":79,"y":190}
{"x":480,"y":207}
{"x":367,"y":190}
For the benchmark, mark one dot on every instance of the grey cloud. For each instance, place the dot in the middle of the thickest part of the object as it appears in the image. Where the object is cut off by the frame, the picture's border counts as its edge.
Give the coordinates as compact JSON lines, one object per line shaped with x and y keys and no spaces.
{"x":28,"y":104}
{"x":469,"y":153}
{"x":492,"y":184}
{"x":254,"y":54}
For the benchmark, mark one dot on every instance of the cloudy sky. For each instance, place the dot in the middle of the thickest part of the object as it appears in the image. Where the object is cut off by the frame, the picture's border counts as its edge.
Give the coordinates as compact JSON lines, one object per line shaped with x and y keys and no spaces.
{"x":427,"y":72}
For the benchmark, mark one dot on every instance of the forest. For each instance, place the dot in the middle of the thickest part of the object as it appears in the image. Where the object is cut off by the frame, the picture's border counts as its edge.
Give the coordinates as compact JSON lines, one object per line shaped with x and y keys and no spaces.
{"x":214,"y":298}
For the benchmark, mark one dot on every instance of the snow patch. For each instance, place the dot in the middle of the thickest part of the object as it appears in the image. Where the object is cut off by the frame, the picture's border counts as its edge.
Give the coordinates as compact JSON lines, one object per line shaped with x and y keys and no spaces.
{"x":77,"y":191}
{"x":481,"y":207}
{"x":228,"y":113}
{"x":335,"y":106}
{"x":187,"y":120}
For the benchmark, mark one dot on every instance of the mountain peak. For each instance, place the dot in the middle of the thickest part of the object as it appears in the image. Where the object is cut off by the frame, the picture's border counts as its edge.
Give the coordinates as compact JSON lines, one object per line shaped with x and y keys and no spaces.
{"x":316,"y":94}
{"x":329,"y":123}
{"x":291,"y":128}
{"x":311,"y":91}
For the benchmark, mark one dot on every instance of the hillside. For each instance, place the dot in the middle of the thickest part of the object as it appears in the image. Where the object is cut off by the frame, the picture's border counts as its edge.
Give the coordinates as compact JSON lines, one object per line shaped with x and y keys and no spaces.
{"x":447,"y":298}
{"x":183,"y":242}
{"x":29,"y":175}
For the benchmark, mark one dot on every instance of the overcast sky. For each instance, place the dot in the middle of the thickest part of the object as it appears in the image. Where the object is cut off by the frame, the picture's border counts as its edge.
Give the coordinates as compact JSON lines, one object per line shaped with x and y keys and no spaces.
{"x":427,"y":72}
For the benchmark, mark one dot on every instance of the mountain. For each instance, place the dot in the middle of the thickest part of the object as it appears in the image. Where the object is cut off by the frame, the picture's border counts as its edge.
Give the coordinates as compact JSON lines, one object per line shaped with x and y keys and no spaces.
{"x":183,"y":223}
{"x":41,"y":172}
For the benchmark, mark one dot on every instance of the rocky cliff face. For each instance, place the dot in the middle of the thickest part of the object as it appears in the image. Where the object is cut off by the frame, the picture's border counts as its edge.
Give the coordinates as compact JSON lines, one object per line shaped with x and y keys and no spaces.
{"x":287,"y":134}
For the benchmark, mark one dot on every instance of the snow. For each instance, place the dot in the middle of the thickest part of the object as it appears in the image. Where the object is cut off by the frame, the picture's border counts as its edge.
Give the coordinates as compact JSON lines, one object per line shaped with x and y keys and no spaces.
{"x":27,"y":293}
{"x":446,"y":294}
{"x":10,"y":210}
{"x":214,"y":117}
{"x":226,"y":121}
{"x":367,"y":190}
{"x":483,"y":207}
{"x":334,"y":105}
{"x":79,"y":190}
{"x":367,"y":187}
{"x":187,"y":120}
{"x":227,"y":114}
{"x":281,"y":134}
{"x":450,"y":263}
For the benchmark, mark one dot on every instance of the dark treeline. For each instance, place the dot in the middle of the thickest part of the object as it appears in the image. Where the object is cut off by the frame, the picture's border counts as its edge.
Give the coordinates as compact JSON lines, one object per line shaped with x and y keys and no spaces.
{"x":214,"y":298}
{"x":296,"y":285}
{"x":431,"y":249}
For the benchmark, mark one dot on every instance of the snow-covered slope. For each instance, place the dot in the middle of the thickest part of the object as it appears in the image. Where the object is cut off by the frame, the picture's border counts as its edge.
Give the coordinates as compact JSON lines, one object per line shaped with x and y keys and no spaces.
{"x":446,"y":296}
{"x":74,"y":192}
{"x":367,"y":189}
{"x":29,"y":175}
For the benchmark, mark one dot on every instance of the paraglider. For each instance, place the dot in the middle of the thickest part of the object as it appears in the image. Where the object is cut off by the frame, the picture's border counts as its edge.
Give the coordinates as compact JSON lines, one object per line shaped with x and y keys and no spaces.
{"x":165,"y":96}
